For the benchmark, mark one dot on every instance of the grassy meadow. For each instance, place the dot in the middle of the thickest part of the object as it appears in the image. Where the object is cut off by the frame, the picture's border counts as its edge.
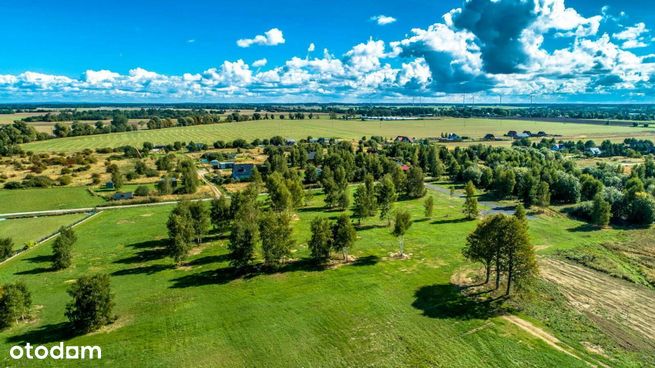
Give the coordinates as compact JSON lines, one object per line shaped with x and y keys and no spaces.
{"x":377,"y":311}
{"x":26,"y":230}
{"x":351,"y":129}
{"x":41,"y":199}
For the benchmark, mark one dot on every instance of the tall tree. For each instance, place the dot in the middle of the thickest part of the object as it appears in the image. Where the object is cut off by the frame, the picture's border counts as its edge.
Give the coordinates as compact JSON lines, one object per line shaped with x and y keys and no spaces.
{"x":365,"y":200}
{"x":181,"y":232}
{"x":62,"y":248}
{"x":117,"y":179}
{"x":402,"y":223}
{"x":278,"y":193}
{"x":343,"y":235}
{"x":601,"y":211}
{"x":415,"y":186}
{"x":470,"y":203}
{"x":92,"y":304}
{"x":220,"y":213}
{"x":428,"y":205}
{"x":276,"y":235}
{"x":321,"y":240}
{"x":200,"y":218}
{"x":245,"y":231}
{"x":386,"y":196}
{"x":6,"y":248}
{"x":15,"y":303}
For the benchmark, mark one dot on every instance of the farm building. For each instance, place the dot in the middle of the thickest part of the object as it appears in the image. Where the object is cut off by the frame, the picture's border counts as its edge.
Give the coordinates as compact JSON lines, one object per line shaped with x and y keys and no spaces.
{"x":594,"y":151}
{"x":121,"y":196}
{"x":222,"y":165}
{"x":521,"y":136}
{"x":404,"y":139}
{"x":242,"y":171}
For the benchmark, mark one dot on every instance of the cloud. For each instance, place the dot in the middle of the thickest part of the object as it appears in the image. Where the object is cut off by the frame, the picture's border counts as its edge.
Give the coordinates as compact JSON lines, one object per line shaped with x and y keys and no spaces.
{"x":260,"y":63}
{"x":272,"y":37}
{"x":633,"y":37}
{"x":191,"y":40}
{"x":383,"y":20}
{"x":548,"y":49}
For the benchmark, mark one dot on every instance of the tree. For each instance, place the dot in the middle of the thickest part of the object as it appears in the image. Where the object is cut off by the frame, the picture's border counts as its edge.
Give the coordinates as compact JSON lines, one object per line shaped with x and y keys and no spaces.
{"x":642,"y":209}
{"x":521,"y":214}
{"x":429,"y":206}
{"x":470,"y":203}
{"x":343,"y":235}
{"x":415,"y":186}
{"x":402,"y":223}
{"x":15,"y":303}
{"x":278,"y":193}
{"x":117,"y":178}
{"x":180,"y":232}
{"x":220,"y":213}
{"x":386,"y":196}
{"x":504,"y":182}
{"x":188,"y":177}
{"x":590,"y":186}
{"x":92,"y":303}
{"x":165,"y":186}
{"x":601,"y":211}
{"x":543,"y":194}
{"x":245,"y":232}
{"x":6,"y":248}
{"x":481,"y":246}
{"x":502,"y":242}
{"x":321,"y":240}
{"x":62,"y":248}
{"x":276,"y":235}
{"x":365,"y":200}
{"x":200,"y":218}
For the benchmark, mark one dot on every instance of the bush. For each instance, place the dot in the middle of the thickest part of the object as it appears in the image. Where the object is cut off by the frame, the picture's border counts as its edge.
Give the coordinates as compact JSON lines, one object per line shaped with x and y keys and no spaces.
{"x":142,"y":191}
{"x":65,"y":180}
{"x":92,"y":303}
{"x":15,"y":303}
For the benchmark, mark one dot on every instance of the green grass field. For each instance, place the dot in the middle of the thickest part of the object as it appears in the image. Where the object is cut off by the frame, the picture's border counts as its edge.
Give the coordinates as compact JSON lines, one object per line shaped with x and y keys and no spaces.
{"x":41,"y":199}
{"x":25,"y":230}
{"x":379,"y":311}
{"x":353,"y":129}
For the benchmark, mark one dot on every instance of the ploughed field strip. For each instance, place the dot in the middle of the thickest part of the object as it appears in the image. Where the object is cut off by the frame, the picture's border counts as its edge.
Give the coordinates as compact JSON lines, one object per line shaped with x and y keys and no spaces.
{"x":604,"y":296}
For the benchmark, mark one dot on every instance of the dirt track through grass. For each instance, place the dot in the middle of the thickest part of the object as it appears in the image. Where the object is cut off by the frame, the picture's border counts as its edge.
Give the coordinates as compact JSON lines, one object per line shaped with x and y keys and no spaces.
{"x":604,"y":296}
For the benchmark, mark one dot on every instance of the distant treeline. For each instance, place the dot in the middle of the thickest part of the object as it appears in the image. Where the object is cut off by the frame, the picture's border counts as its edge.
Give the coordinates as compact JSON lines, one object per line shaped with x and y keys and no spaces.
{"x":96,"y":115}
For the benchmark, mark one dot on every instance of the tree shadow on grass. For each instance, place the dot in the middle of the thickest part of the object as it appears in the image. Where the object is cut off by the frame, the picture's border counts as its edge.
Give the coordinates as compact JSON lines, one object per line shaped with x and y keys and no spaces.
{"x":35,"y":271}
{"x":446,"y":301}
{"x":40,"y":259}
{"x":159,"y":243}
{"x":44,"y":335}
{"x":228,"y":274}
{"x":370,"y":227}
{"x":583,"y":228}
{"x":366,"y":261}
{"x":144,"y":256}
{"x":450,"y":221}
{"x":207,"y":260}
{"x":147,"y":270}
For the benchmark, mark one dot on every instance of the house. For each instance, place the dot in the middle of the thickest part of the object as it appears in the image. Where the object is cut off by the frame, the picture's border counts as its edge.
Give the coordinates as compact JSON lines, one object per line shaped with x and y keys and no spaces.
{"x":403,"y":139}
{"x":521,"y":136}
{"x":404,"y":167}
{"x":109,"y":185}
{"x":222,"y":165}
{"x":555,"y":147}
{"x":290,"y":142}
{"x":242,"y":171}
{"x":594,"y":151}
{"x":121,"y":196}
{"x":529,"y":133}
{"x":511,"y":133}
{"x":489,"y":137}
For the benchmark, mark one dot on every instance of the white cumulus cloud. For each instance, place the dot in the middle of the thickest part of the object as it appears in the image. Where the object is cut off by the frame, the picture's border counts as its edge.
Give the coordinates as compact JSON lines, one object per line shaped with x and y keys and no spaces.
{"x":383,"y":20}
{"x":272,"y":37}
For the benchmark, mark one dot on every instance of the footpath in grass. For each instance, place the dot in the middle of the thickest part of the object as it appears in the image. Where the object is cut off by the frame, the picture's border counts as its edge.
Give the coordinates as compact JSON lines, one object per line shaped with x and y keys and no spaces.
{"x":378,"y":311}
{"x":41,"y":199}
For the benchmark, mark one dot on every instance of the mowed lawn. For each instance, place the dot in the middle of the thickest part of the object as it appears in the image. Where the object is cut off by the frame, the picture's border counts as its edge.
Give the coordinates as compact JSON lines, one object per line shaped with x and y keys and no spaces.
{"x":41,"y":199}
{"x":352,"y":129}
{"x":25,"y":230}
{"x":379,"y":311}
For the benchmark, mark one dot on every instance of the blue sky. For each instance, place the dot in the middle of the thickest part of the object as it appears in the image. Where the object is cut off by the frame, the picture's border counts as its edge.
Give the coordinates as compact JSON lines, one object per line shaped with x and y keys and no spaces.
{"x":377,"y":50}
